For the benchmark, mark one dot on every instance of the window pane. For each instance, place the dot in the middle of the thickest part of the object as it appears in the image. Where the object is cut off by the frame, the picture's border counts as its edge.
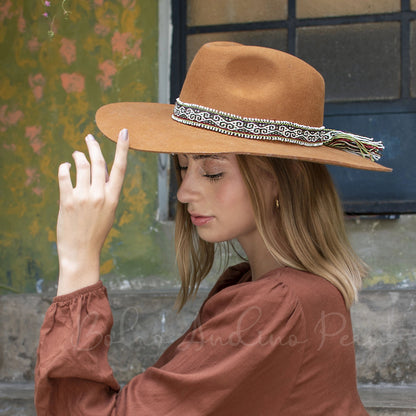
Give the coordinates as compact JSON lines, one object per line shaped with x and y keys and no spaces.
{"x":326,"y":8}
{"x":358,"y":61}
{"x":215,"y":12}
{"x":273,"y":38}
{"x":413,"y":4}
{"x":413,"y":58}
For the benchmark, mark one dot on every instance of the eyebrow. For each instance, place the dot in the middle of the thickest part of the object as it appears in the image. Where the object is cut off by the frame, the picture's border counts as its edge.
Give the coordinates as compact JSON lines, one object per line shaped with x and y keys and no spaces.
{"x":199,"y":157}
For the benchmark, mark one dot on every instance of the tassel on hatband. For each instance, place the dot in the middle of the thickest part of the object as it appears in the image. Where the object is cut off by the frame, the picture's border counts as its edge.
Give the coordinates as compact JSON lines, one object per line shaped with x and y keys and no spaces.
{"x":360,"y":145}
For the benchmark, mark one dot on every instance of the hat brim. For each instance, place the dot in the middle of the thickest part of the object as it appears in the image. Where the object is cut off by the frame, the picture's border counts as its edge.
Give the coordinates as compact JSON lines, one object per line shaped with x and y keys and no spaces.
{"x":152,"y":129}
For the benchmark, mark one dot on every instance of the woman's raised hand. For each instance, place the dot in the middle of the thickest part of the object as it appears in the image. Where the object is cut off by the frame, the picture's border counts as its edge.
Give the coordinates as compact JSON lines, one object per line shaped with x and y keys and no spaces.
{"x":86,"y":213}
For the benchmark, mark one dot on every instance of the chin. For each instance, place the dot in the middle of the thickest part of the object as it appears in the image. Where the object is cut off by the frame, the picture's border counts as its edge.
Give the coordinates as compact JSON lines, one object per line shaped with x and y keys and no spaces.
{"x":212,"y":238}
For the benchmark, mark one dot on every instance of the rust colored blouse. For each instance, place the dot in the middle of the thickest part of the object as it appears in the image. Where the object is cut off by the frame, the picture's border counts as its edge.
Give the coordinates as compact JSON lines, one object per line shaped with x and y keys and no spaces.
{"x":280,"y":345}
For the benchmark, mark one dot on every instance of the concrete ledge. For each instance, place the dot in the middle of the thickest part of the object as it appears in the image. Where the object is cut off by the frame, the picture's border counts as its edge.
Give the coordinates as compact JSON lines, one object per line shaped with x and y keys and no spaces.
{"x":17,"y":391}
{"x":16,"y":399}
{"x":386,"y":396}
{"x":380,"y":400}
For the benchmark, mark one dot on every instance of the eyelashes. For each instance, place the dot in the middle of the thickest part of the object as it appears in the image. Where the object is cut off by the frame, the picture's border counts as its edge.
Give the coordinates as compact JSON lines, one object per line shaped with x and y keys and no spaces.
{"x":215,"y":177}
{"x":211,"y":177}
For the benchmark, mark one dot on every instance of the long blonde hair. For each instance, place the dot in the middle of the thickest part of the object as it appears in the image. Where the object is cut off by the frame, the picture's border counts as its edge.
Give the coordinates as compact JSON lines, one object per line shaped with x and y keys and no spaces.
{"x":306,"y":232}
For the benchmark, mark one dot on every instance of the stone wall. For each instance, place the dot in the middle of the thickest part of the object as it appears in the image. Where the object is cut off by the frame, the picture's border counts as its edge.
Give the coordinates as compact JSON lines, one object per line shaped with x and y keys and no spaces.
{"x":145,"y":323}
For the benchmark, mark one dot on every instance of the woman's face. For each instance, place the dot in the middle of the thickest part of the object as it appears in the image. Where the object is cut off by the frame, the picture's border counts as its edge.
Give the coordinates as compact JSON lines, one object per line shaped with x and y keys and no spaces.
{"x":217,"y":198}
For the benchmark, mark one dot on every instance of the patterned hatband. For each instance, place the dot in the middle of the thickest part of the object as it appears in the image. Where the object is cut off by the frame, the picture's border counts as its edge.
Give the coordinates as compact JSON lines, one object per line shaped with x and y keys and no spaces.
{"x":283,"y":131}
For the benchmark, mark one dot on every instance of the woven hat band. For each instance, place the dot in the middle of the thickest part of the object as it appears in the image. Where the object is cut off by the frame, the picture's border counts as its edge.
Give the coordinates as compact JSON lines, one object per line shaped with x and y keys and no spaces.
{"x":283,"y":131}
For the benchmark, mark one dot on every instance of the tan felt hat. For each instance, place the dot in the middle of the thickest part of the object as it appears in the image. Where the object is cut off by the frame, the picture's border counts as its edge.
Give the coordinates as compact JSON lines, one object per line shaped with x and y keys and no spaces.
{"x":246,"y":100}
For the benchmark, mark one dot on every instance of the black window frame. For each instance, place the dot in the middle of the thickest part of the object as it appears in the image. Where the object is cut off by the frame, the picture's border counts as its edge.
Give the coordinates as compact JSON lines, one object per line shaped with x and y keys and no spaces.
{"x":404,"y":104}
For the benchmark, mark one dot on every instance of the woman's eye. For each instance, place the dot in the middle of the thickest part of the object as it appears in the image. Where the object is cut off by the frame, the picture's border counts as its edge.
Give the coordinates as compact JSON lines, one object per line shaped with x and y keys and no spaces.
{"x":214,"y":177}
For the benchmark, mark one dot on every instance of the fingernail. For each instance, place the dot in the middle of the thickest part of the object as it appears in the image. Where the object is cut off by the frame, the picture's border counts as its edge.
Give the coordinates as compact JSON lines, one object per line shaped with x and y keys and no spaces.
{"x":124,"y":134}
{"x":89,"y":138}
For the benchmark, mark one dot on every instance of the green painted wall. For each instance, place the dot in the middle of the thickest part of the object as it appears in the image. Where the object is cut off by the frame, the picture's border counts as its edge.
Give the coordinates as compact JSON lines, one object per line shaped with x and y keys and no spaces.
{"x":59,"y":63}
{"x":55,"y":71}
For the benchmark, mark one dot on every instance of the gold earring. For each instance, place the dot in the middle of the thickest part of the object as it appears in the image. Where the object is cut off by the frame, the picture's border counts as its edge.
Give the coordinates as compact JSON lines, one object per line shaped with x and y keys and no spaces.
{"x":277,"y":203}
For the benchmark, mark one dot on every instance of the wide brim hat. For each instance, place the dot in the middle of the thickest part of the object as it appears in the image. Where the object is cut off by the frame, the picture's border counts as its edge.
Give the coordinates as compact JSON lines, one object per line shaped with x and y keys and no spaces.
{"x":245,"y":100}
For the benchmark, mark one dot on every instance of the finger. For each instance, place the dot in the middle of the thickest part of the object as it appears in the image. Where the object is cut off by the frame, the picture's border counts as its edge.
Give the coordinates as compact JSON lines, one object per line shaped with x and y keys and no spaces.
{"x":83,"y":171}
{"x":98,"y":166}
{"x":118,"y":169}
{"x":64,"y":181}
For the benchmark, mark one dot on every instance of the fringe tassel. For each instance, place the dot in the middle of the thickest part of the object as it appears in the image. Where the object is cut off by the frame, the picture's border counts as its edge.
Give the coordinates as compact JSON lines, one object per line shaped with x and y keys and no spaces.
{"x":360,"y":145}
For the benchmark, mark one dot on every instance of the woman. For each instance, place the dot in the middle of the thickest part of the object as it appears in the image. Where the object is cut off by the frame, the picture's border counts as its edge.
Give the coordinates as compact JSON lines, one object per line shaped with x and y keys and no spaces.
{"x":274,"y":336}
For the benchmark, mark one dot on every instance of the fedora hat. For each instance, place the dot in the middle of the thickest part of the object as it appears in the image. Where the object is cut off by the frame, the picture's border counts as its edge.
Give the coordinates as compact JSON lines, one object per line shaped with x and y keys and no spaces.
{"x":246,"y":100}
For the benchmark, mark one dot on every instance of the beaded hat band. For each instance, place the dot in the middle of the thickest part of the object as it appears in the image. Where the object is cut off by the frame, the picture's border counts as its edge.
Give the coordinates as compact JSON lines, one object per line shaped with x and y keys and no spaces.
{"x":284,"y":131}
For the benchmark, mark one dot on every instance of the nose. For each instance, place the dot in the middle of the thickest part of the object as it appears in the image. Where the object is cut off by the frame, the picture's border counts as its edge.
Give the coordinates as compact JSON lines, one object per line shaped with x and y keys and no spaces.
{"x":188,"y":189}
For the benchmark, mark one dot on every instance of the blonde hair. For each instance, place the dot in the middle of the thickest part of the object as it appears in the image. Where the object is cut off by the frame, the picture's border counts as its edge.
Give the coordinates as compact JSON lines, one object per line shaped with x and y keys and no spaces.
{"x":306,"y":232}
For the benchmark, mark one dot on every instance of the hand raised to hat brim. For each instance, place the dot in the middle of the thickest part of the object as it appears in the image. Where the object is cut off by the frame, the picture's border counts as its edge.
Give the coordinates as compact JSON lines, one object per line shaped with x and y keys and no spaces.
{"x":86,"y":212}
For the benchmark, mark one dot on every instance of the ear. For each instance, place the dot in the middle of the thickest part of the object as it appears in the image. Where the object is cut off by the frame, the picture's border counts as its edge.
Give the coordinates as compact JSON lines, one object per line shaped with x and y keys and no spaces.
{"x":271,"y":186}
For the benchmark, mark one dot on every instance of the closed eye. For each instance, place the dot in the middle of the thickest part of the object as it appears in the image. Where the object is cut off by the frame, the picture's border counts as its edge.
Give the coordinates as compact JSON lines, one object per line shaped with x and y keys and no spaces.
{"x":214,"y":177}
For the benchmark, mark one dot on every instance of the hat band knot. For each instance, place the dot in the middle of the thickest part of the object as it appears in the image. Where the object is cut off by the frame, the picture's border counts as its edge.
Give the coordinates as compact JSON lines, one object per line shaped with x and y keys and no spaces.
{"x":283,"y":131}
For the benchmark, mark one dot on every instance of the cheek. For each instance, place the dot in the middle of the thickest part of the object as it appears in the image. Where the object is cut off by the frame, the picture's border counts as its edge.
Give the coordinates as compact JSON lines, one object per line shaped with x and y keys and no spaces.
{"x":236,"y":198}
{"x":231,"y":193}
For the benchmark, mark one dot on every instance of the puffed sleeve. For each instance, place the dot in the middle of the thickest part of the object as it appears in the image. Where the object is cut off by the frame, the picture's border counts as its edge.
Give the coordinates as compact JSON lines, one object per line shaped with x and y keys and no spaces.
{"x":240,"y":357}
{"x":72,"y":373}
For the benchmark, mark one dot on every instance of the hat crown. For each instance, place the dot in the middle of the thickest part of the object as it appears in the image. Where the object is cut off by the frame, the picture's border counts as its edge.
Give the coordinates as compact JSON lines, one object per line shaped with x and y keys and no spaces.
{"x":255,"y":82}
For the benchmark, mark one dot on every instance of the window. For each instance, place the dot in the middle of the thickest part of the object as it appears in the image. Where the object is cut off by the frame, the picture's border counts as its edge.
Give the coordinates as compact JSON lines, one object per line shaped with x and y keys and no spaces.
{"x":366,"y":51}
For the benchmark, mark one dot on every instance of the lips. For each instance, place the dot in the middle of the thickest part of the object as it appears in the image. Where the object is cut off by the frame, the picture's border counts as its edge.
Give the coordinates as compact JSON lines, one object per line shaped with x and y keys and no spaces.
{"x":198,"y":220}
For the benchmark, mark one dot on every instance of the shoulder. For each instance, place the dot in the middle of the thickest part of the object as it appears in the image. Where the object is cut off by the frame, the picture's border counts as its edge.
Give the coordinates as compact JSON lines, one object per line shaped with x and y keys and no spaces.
{"x":270,"y":288}
{"x":291,"y":284}
{"x":284,"y":294}
{"x":269,"y":300}
{"x":301,"y":282}
{"x":283,"y":287}
{"x":265,"y":313}
{"x":282,"y":283}
{"x":311,"y":291}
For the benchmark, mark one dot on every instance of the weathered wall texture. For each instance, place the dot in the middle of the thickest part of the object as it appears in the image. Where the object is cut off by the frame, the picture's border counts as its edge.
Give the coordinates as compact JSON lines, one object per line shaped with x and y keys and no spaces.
{"x":388,"y":246}
{"x":59,"y":61}
{"x":145,"y":324}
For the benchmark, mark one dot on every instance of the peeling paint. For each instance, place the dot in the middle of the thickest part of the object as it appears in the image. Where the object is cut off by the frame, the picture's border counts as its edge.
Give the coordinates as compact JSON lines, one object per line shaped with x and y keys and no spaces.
{"x":68,"y":50}
{"x":108,"y":70}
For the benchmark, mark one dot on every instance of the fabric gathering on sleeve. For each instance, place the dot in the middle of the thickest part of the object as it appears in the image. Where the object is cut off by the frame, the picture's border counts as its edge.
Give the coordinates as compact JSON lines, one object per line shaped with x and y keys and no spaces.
{"x":241,"y":356}
{"x":72,"y":354}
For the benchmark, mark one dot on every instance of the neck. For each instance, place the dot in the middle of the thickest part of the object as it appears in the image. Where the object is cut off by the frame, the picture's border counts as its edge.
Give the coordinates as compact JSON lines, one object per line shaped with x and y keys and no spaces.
{"x":260,"y":259}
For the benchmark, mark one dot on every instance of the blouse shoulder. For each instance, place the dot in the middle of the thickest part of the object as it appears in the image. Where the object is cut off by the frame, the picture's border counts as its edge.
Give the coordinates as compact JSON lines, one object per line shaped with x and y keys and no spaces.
{"x":271,"y":300}
{"x":286,"y":287}
{"x":311,"y":290}
{"x":240,"y":286}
